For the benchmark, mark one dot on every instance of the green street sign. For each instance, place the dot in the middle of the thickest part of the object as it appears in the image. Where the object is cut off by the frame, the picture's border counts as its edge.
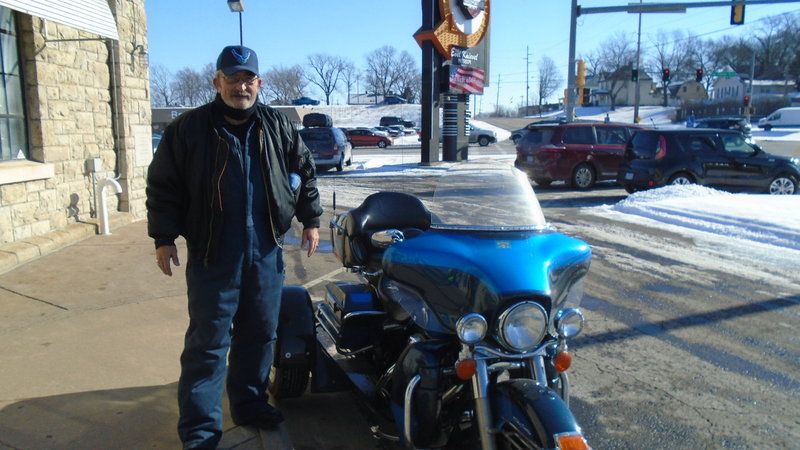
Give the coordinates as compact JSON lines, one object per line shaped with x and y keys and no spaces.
{"x":724,"y":74}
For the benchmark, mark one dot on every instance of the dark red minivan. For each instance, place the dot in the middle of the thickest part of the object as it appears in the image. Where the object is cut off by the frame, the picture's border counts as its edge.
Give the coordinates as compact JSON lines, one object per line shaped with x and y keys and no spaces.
{"x":578,"y":153}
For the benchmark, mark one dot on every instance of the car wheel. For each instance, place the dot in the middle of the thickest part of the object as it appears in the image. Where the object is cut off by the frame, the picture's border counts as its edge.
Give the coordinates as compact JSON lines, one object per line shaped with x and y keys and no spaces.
{"x":783,"y":185}
{"x":483,"y":141}
{"x":681,"y":178}
{"x":583,"y":177}
{"x":629,"y":188}
{"x":340,"y":164}
{"x":381,"y":144}
{"x":767,"y":127}
{"x":543,"y":182}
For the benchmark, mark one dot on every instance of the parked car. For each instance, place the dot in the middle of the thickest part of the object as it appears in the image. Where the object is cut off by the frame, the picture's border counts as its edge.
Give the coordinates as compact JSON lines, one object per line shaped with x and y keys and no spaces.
{"x":368,"y":138}
{"x":400,"y":130}
{"x":394,"y":100}
{"x":391,"y":120}
{"x":481,"y":136}
{"x":579,"y":153}
{"x":719,"y":158}
{"x":783,"y":117}
{"x":738,"y":123}
{"x":156,"y":141}
{"x":329,"y":146}
{"x":516,"y":135}
{"x":305,"y":101}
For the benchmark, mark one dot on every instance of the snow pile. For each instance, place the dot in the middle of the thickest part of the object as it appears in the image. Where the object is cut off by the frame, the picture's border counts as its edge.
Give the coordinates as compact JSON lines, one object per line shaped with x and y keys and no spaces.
{"x":765,"y":219}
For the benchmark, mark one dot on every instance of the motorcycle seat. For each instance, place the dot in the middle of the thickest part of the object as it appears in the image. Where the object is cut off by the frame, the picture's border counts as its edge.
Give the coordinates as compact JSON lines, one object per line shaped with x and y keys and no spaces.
{"x":381,"y":211}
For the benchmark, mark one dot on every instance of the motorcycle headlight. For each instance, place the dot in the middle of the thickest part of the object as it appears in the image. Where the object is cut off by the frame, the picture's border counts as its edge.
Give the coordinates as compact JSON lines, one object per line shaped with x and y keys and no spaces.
{"x":521,"y":327}
{"x":569,"y":322}
{"x":471,"y":328}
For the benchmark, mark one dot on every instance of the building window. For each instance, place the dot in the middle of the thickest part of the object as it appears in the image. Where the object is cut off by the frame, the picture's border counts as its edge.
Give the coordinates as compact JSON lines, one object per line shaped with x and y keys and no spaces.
{"x":13,"y":131}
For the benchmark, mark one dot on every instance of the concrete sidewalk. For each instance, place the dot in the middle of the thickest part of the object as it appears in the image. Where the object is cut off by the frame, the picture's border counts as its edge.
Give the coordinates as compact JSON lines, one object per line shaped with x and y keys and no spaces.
{"x":90,"y":339}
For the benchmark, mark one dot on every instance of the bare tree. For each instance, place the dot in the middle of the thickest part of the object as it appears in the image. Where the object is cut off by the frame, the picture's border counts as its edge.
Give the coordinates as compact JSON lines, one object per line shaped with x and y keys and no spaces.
{"x":613,"y":63}
{"x":549,"y":80}
{"x":382,"y":74}
{"x":350,"y":76}
{"x":160,"y":86}
{"x":190,"y":87}
{"x":409,"y":80}
{"x":282,"y":84}
{"x":326,"y":70}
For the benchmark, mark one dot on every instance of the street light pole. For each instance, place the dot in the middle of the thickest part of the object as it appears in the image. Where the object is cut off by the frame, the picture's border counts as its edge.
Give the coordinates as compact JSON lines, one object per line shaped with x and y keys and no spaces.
{"x":238,"y":6}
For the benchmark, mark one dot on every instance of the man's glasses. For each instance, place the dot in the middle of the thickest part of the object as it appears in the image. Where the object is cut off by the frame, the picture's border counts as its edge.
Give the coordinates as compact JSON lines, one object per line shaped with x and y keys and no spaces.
{"x":238,"y":81}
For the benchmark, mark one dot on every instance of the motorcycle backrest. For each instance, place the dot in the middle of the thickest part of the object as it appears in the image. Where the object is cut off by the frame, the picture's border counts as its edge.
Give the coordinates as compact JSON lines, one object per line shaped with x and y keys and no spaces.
{"x":379,"y":211}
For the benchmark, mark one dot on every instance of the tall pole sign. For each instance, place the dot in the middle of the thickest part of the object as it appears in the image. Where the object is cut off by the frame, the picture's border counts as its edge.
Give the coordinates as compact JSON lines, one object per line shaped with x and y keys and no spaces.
{"x":460,"y":37}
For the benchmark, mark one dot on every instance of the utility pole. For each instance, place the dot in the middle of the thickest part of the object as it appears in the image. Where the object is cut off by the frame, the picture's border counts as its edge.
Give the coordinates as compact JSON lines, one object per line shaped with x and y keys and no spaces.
{"x":527,"y":78}
{"x":638,"y":58}
{"x":572,"y":92}
{"x":497,"y":102}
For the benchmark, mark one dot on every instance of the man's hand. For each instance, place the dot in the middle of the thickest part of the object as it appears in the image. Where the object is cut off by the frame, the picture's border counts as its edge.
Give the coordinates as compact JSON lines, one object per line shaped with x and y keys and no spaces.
{"x":310,"y":236}
{"x":165,"y":255}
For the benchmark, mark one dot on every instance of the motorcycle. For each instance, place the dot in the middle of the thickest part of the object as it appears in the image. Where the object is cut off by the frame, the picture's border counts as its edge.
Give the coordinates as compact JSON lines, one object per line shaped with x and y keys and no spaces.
{"x":456,"y":331}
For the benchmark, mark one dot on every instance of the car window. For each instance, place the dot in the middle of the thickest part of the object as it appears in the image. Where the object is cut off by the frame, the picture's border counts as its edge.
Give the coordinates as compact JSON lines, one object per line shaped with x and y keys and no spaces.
{"x":735,"y":143}
{"x":611,"y":135}
{"x":578,"y":135}
{"x":539,"y":136}
{"x":697,"y":143}
{"x":315,"y":134}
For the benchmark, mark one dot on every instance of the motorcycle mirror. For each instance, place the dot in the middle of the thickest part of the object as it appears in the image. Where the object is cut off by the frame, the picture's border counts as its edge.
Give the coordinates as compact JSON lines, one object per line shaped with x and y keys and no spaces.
{"x":384,"y":238}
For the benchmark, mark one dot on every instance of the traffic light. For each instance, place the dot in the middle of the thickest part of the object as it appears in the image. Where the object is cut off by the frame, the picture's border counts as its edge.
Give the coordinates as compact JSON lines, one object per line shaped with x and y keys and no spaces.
{"x":635,"y":75}
{"x":746,"y":101}
{"x":665,"y":75}
{"x":585,"y":96}
{"x":698,"y":75}
{"x":581,"y":79}
{"x":737,"y":14}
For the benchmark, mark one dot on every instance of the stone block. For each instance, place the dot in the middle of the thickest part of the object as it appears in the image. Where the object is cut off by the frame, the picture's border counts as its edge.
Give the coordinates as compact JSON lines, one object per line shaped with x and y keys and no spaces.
{"x":12,"y":193}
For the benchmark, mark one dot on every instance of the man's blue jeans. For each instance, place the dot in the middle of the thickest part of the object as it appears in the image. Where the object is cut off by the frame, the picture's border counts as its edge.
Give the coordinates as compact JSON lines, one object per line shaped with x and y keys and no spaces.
{"x":233,"y":304}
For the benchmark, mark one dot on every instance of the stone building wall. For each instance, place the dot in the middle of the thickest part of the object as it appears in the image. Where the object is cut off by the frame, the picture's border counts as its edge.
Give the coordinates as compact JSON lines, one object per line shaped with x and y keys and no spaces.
{"x":79,"y":107}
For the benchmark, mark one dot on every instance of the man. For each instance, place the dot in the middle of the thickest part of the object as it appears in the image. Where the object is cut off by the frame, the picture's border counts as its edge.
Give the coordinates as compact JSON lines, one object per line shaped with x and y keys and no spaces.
{"x":229,"y":177}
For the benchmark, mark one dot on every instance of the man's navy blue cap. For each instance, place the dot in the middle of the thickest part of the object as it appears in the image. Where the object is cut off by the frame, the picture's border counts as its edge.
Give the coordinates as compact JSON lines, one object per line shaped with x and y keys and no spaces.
{"x":234,"y":58}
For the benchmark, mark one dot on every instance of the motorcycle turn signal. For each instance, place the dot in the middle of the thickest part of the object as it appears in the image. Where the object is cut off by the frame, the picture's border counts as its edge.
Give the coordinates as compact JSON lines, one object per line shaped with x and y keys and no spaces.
{"x":465,"y":368}
{"x":562,"y":361}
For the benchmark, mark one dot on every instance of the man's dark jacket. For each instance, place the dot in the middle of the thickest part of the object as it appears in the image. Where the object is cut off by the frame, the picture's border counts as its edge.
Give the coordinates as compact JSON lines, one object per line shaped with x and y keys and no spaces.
{"x":183,"y":180}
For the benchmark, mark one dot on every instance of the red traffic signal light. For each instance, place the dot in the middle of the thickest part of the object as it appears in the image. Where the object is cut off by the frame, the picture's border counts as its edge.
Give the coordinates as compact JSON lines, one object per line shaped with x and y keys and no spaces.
{"x":698,"y":76}
{"x":746,"y":100}
{"x":665,"y":75}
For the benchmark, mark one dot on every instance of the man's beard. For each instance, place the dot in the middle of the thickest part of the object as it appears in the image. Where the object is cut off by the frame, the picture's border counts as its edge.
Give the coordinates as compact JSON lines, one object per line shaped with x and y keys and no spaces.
{"x":234,"y":113}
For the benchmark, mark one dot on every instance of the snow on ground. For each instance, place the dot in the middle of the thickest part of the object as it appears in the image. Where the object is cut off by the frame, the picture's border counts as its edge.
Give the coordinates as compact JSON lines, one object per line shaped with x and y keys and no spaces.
{"x":757,"y":218}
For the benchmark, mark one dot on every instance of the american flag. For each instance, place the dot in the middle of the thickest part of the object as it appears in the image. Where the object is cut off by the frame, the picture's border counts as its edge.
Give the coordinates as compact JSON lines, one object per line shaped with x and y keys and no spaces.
{"x":467,"y":79}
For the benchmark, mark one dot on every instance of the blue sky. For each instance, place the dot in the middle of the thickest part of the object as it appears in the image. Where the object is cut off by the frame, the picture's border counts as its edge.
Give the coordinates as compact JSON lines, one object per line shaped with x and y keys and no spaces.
{"x":190,"y":33}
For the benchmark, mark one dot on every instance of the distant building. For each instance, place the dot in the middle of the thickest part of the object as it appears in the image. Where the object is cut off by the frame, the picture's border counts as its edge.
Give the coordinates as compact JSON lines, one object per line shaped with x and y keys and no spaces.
{"x":736,"y":87}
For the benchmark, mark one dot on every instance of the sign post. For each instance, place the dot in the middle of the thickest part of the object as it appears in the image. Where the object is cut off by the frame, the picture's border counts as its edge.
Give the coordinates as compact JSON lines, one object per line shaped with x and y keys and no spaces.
{"x":458,"y":35}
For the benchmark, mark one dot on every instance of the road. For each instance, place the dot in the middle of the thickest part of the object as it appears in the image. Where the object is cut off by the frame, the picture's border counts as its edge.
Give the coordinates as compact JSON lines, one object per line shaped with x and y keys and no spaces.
{"x":689,"y":343}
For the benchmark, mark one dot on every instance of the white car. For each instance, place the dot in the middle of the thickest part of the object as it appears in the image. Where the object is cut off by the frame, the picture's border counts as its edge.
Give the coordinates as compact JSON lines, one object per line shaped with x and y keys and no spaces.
{"x":481,"y":136}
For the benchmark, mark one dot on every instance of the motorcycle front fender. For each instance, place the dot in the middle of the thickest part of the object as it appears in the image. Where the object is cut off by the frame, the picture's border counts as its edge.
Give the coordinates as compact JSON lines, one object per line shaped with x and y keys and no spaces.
{"x":296,"y":341}
{"x":535,"y":410}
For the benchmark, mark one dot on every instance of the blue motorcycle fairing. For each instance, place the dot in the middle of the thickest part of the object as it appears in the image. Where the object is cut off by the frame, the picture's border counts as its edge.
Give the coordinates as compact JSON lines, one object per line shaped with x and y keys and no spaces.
{"x":459,"y":272}
{"x":533,"y":409}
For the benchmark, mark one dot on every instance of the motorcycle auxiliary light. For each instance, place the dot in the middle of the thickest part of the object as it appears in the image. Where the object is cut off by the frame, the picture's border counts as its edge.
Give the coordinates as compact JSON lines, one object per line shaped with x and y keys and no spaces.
{"x":471,"y":328}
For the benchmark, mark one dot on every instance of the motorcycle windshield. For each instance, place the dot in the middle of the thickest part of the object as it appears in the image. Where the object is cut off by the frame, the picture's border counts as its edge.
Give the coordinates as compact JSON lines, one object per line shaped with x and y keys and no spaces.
{"x":488,"y":244}
{"x":485,"y":196}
